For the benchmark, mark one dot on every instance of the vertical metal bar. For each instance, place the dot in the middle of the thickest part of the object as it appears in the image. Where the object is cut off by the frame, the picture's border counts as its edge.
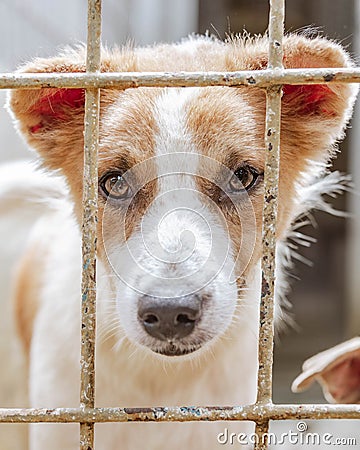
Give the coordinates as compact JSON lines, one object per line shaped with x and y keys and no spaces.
{"x":272,"y":143}
{"x":90,"y":182}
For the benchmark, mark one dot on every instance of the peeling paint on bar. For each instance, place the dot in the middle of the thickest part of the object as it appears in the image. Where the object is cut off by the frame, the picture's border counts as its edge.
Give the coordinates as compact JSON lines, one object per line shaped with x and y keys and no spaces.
{"x":89,"y":227}
{"x":271,"y":180}
{"x":121,"y":80}
{"x":255,"y":413}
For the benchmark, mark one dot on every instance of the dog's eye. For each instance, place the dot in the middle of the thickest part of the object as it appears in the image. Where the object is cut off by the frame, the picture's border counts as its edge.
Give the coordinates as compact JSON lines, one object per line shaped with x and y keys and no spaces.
{"x":244,"y":178}
{"x":114,"y":186}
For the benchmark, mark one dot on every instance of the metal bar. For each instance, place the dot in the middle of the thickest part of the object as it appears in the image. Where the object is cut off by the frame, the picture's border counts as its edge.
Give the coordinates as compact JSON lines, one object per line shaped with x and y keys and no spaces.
{"x":89,"y":227}
{"x":271,"y":180}
{"x":126,"y":80}
{"x":256,"y":413}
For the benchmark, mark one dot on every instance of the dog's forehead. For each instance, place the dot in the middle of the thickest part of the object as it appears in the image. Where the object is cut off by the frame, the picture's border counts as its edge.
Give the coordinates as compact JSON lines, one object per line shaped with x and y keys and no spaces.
{"x":148,"y":123}
{"x":175,"y":152}
{"x":127,"y":128}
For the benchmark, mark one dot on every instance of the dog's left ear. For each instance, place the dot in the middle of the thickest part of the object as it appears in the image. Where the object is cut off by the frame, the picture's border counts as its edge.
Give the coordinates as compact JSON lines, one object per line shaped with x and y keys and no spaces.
{"x":318,"y":112}
{"x":313,"y":115}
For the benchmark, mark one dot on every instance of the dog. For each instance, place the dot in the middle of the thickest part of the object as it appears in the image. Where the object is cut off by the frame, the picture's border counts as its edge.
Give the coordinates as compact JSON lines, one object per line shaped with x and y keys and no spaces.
{"x":181,"y":174}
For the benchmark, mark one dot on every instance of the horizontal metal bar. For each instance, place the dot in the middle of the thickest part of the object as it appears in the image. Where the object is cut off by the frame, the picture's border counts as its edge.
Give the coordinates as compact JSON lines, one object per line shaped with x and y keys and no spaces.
{"x":254,"y":413}
{"x":125,"y":80}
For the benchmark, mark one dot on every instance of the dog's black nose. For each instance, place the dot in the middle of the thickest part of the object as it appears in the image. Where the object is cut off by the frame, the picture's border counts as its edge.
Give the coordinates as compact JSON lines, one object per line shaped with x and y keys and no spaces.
{"x":169,"y":318}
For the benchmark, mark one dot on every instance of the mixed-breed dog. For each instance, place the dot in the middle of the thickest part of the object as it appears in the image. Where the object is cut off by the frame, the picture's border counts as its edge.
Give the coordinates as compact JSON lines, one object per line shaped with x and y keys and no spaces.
{"x":179,"y":234}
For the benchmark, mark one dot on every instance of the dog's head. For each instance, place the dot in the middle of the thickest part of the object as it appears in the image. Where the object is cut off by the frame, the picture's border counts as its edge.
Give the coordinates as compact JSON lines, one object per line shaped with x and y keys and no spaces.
{"x":181,"y":175}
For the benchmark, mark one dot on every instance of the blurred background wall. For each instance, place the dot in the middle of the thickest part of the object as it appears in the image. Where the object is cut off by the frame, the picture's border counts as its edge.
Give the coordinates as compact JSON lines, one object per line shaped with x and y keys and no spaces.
{"x":326,"y":298}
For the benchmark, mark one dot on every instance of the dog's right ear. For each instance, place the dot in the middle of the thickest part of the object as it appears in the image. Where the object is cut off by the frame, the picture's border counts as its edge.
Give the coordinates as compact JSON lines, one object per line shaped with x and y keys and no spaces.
{"x":52,"y":119}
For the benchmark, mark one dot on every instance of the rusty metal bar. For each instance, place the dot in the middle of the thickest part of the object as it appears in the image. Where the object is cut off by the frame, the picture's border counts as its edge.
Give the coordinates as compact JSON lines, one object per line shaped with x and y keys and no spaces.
{"x":89,"y":227}
{"x":271,"y":180}
{"x":256,"y":413}
{"x":124,"y":80}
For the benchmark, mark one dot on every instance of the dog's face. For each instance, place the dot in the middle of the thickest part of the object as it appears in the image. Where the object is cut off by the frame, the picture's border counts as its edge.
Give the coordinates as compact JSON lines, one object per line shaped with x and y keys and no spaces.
{"x":181,"y":177}
{"x":178,"y":214}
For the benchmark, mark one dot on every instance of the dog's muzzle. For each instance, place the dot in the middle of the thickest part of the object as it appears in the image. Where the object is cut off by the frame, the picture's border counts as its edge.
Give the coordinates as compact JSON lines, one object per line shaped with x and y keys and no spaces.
{"x":171,"y":321}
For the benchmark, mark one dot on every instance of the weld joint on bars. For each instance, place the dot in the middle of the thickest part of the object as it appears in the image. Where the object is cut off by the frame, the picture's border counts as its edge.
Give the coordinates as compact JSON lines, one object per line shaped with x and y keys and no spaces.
{"x":124,"y":80}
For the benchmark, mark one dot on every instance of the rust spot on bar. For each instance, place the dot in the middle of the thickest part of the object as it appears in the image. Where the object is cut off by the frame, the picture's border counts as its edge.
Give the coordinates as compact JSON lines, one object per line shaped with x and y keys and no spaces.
{"x":329,"y":77}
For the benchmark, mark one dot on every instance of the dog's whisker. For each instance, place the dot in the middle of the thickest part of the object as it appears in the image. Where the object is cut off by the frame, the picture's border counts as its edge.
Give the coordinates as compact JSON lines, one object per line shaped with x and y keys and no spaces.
{"x":118,"y":344}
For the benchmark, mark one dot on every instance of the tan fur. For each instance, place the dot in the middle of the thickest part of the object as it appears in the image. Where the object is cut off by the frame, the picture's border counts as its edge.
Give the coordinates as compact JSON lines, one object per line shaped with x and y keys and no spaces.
{"x":128,"y":140}
{"x":28,"y":281}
